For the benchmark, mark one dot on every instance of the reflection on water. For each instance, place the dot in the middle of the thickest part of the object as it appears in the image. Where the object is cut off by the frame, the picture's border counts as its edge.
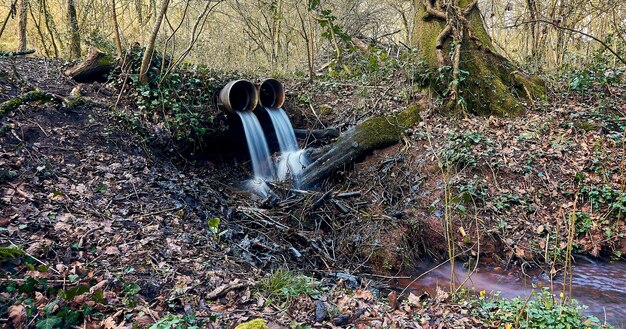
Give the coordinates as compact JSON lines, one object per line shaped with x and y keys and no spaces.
{"x":600,"y":286}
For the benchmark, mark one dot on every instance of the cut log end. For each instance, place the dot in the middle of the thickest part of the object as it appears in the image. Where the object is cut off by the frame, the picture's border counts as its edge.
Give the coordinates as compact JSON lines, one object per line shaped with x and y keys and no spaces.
{"x":95,"y":67}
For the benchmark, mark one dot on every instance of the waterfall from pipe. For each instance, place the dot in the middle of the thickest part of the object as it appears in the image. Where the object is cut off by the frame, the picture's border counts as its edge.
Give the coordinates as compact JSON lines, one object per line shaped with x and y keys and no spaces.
{"x":292,"y":160}
{"x":257,"y":145}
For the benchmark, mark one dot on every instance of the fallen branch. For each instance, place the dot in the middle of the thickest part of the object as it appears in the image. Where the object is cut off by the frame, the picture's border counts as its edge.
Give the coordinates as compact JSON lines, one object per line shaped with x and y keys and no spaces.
{"x":222,"y":290}
{"x":16,"y":53}
{"x":317,"y":133}
{"x":31,"y":96}
{"x":95,"y":67}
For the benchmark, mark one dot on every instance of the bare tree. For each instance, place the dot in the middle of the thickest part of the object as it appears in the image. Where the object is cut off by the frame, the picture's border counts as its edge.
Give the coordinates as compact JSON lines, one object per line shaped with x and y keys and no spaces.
{"x":21,"y":25}
{"x":10,"y":13}
{"x":72,"y":21}
{"x":116,"y":28}
{"x":147,"y":56}
{"x":50,"y":26}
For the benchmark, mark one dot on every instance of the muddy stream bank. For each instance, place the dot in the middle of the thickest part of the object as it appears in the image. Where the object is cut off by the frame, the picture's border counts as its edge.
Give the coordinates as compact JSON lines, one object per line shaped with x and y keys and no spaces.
{"x":598,"y":285}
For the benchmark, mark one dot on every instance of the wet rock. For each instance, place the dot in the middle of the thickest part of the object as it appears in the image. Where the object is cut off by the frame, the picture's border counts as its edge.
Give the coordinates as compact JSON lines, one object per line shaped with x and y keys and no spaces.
{"x":320,"y":311}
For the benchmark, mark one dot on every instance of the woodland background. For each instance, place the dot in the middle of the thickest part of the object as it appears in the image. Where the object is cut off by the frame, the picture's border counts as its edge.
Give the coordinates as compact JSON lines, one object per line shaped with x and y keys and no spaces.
{"x":285,"y":36}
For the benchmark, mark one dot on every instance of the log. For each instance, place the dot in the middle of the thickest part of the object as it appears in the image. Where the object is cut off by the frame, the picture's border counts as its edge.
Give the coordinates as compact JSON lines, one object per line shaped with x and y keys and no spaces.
{"x":16,"y":53}
{"x":31,"y":96}
{"x":95,"y":67}
{"x":317,"y":133}
{"x":372,"y":134}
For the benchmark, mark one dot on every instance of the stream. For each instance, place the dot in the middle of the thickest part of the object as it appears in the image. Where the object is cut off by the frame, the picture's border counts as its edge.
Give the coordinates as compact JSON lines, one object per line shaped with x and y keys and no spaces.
{"x":600,"y":286}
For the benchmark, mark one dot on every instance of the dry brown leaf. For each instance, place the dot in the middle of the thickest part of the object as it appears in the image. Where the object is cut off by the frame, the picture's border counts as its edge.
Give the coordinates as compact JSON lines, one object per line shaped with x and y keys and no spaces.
{"x":393,"y":300}
{"x":363,"y":294}
{"x":16,"y":314}
{"x":98,"y":286}
{"x":112,"y":250}
{"x":413,"y":299}
{"x":4,"y":222}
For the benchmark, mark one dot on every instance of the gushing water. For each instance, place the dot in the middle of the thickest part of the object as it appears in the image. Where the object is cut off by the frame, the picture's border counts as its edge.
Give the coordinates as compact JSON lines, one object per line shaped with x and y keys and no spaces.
{"x":291,"y":164}
{"x":291,"y":161}
{"x":257,"y":145}
{"x":284,"y":130}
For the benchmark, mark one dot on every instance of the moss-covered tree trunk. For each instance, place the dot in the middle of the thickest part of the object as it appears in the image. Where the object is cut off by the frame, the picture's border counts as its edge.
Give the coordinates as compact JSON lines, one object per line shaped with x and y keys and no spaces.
{"x":451,"y":37}
{"x":372,"y":134}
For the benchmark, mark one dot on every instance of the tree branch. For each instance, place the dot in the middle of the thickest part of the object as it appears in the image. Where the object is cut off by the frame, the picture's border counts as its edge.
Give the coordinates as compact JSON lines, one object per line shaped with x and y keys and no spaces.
{"x":607,"y":47}
{"x":435,"y":12}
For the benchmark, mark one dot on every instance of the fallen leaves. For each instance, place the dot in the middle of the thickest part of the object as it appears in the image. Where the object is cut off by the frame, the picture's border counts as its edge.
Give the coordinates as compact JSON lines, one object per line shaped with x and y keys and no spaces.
{"x":16,"y":314}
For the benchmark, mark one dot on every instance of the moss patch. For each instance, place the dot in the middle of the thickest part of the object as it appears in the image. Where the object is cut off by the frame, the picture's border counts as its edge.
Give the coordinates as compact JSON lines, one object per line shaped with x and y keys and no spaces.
{"x":31,"y":96}
{"x":378,"y":132}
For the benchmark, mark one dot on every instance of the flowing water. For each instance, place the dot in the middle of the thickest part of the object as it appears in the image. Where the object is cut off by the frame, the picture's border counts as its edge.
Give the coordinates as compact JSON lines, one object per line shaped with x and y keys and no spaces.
{"x":257,"y":145}
{"x":291,"y":161}
{"x":600,"y":286}
{"x":284,"y":130}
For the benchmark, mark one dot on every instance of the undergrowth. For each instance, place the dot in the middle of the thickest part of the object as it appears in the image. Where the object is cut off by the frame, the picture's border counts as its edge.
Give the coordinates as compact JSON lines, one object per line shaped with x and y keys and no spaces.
{"x":539,"y":310}
{"x":282,"y":286}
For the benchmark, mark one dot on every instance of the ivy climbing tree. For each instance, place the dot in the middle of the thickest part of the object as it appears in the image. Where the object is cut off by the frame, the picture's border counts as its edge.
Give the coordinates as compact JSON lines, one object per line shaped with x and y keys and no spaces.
{"x":452,"y":39}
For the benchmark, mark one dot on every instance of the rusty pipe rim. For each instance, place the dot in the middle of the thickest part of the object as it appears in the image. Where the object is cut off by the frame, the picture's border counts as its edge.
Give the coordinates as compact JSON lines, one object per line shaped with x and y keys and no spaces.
{"x":271,"y":93}
{"x":239,"y":96}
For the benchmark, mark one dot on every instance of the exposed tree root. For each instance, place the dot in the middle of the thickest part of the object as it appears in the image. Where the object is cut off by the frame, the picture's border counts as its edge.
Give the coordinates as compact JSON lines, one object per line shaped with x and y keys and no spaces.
{"x":31,"y":96}
{"x":451,"y":34}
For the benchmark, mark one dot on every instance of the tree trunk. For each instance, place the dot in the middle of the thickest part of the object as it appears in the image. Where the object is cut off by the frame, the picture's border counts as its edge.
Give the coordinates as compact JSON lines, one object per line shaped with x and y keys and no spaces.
{"x":49,"y":26}
{"x":139,"y":11}
{"x":372,"y":134}
{"x":454,"y":39}
{"x":22,"y":10}
{"x":73,"y":29}
{"x":39,"y":32}
{"x":118,"y":39}
{"x":95,"y":67}
{"x":9,"y":14}
{"x":147,"y":56}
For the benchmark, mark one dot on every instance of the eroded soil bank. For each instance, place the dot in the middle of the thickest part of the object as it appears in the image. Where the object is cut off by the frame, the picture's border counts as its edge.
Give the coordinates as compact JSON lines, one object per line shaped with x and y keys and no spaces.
{"x":100,"y":202}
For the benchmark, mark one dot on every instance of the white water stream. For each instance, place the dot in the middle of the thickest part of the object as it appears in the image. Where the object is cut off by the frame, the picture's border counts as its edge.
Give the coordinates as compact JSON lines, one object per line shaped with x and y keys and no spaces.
{"x":262,"y":165}
{"x":291,"y":161}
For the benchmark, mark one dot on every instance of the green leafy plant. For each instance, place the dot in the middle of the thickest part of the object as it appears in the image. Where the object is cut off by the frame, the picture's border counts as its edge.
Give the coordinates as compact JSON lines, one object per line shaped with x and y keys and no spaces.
{"x":58,"y":312}
{"x":540,"y":310}
{"x":214,"y":227}
{"x":175,"y":322}
{"x":9,"y":253}
{"x":461,"y":149}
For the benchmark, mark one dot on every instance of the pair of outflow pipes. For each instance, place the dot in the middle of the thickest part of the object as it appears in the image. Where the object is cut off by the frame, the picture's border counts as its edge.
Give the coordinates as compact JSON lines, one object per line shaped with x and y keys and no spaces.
{"x":243,"y":95}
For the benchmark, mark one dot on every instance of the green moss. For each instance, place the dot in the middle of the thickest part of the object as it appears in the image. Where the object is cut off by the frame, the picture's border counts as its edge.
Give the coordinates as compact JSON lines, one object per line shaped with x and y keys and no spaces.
{"x":492,"y":86}
{"x":378,"y":132}
{"x":425,"y":35}
{"x":254,"y":324}
{"x":105,"y":60}
{"x":31,"y":96}
{"x":75,"y":101}
{"x":10,"y":105}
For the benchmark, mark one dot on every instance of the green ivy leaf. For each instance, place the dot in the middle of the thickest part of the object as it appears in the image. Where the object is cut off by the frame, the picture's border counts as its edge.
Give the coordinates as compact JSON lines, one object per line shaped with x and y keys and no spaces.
{"x":49,"y":323}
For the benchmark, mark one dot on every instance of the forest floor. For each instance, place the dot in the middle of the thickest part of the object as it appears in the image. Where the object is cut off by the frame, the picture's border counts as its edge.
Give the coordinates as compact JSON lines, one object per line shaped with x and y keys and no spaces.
{"x":115,"y":230}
